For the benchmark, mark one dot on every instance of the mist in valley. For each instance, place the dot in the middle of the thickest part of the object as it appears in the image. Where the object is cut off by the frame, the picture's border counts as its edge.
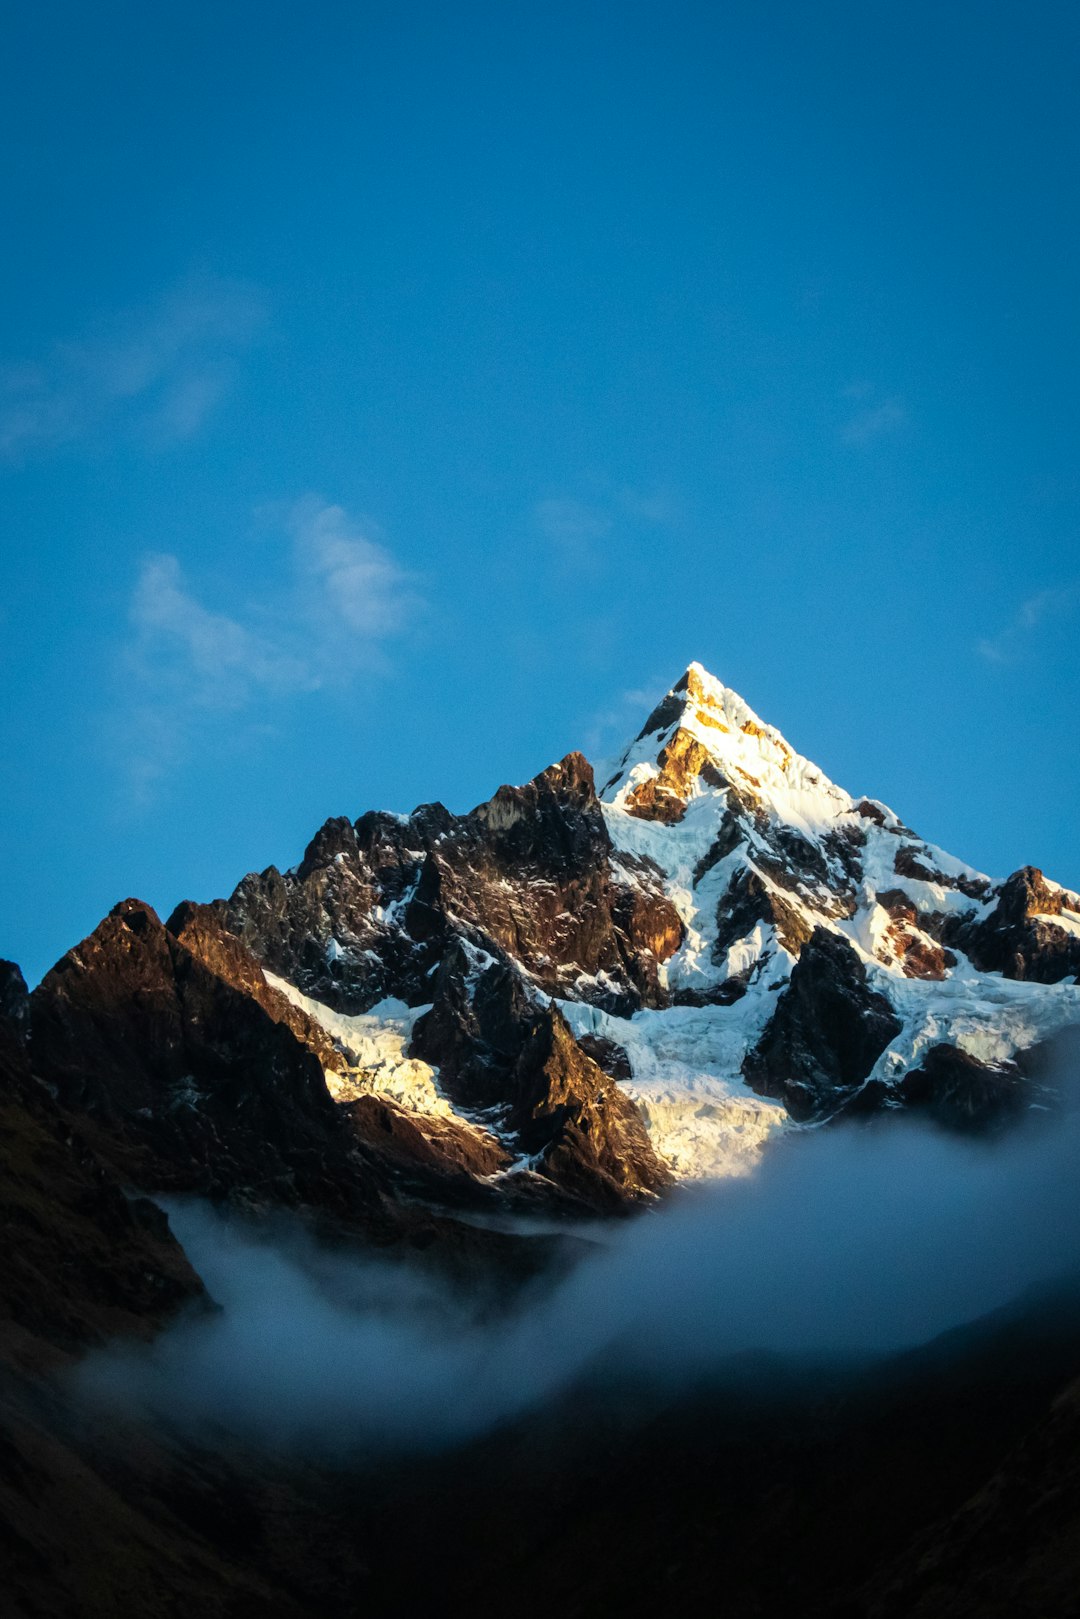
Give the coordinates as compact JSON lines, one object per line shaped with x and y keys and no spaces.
{"x":847,"y":1242}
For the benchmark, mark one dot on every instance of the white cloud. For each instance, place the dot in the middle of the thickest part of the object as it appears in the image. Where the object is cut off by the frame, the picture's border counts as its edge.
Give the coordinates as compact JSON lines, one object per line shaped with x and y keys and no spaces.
{"x":876,"y":421}
{"x":1035,"y":613}
{"x":579,"y":533}
{"x":569,"y":524}
{"x":348,"y":574}
{"x":217,"y":660}
{"x":342,"y":598}
{"x":157,"y":371}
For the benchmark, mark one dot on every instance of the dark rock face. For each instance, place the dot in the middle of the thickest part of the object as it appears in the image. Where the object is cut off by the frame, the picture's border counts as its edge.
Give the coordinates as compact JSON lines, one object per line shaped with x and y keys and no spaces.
{"x":731,"y":834}
{"x":187,"y":1083}
{"x":198,"y":928}
{"x":958,"y":1091}
{"x":920,"y":955}
{"x":79,"y":1261}
{"x":749,"y":900}
{"x":504,"y":1057}
{"x":586,"y":1134}
{"x":372,"y":909}
{"x":606,"y":1054}
{"x":532,"y":871}
{"x":1019,"y":938}
{"x":441,"y":1161}
{"x":433,"y":1157}
{"x":14,"y":1000}
{"x":827,"y":1032}
{"x":912,"y":860}
{"x":191,"y":1073}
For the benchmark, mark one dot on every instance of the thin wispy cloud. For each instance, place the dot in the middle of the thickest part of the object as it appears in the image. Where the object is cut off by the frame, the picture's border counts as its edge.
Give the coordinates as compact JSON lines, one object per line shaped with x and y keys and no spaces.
{"x":338,"y":604}
{"x":875,"y":421}
{"x":580,"y":533}
{"x":156,"y":372}
{"x":348,"y":574}
{"x":607,"y":730}
{"x":570,"y":524}
{"x":1037,"y":613}
{"x":212,"y":659}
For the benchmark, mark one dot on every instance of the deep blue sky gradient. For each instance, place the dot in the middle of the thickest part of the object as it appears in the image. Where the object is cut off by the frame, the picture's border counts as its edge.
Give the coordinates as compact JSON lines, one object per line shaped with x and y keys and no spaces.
{"x":627,"y":333}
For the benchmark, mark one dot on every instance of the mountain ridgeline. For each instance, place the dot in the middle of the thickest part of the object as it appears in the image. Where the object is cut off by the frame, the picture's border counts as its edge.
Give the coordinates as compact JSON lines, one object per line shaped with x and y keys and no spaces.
{"x":566,"y":1000}
{"x":464,"y":1041}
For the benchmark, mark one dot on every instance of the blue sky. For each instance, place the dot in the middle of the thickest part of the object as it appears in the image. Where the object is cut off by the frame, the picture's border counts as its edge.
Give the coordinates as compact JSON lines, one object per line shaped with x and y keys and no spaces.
{"x":395,"y":397}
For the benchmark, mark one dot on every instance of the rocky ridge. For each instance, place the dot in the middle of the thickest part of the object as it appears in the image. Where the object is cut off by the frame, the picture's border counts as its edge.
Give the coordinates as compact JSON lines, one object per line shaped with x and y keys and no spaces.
{"x":722,"y":927}
{"x":563,"y":999}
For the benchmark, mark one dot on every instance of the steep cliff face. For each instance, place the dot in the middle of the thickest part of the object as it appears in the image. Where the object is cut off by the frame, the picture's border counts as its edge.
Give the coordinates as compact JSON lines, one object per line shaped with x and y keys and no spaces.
{"x":1032,"y":932}
{"x":185,"y":1081}
{"x":828,"y":1031}
{"x":190,"y":1071}
{"x":504,"y":1056}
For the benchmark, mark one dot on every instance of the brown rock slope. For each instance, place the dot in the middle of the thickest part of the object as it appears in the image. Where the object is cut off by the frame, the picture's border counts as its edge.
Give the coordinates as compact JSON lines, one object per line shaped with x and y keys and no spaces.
{"x":81,"y":1261}
{"x":374,"y":906}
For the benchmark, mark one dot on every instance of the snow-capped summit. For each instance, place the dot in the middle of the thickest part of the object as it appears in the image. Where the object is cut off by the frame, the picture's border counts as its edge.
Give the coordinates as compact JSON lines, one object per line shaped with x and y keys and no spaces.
{"x":701,"y":730}
{"x":842,"y":948}
{"x":570,"y":995}
{"x":746,"y":817}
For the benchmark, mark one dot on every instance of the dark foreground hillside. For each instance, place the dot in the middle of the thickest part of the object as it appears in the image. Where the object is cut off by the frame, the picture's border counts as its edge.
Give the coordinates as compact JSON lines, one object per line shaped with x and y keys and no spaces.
{"x":942,"y":1482}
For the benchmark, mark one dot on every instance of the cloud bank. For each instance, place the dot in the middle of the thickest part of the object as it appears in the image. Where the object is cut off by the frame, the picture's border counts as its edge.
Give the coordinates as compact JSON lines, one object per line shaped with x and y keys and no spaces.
{"x":846,"y":1242}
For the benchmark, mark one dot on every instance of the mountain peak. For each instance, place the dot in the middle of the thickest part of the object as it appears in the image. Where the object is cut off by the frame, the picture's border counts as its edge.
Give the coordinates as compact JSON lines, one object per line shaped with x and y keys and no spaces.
{"x":703,"y":733}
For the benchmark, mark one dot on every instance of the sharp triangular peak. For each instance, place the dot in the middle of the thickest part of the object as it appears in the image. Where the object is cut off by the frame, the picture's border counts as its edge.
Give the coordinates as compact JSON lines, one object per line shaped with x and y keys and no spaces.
{"x":705,"y":693}
{"x":702,"y":730}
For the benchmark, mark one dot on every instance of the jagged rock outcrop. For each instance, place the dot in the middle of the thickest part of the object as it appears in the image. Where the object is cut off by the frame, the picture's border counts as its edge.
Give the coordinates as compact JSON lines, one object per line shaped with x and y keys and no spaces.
{"x":721,"y":912}
{"x":199,"y":929}
{"x":695,"y":881}
{"x":372,"y":907}
{"x":827,"y":1033}
{"x":1033,"y":931}
{"x":683,"y":762}
{"x":685,"y":759}
{"x":186,"y":1081}
{"x":503,"y":1056}
{"x":192,"y":1073}
{"x":915,"y":860}
{"x":919,"y":954}
{"x":584,"y":1131}
{"x":432,"y":1156}
{"x":437,"y":1157}
{"x":750,"y":899}
{"x":963,"y":1092}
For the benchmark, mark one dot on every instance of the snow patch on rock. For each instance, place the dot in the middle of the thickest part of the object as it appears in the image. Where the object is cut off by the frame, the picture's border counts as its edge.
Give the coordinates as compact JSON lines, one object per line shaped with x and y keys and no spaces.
{"x":685,"y":1080}
{"x":374,"y":1047}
